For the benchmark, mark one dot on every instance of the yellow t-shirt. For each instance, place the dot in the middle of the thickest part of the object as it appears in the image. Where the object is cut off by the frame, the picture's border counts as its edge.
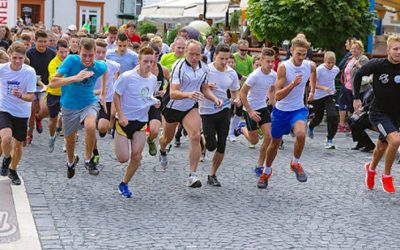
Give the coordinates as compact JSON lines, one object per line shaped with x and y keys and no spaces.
{"x":53,"y":65}
{"x":167,"y":60}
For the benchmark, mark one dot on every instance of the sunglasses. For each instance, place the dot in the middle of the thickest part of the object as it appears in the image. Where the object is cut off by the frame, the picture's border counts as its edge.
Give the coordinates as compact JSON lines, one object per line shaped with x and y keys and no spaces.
{"x":244,"y":50}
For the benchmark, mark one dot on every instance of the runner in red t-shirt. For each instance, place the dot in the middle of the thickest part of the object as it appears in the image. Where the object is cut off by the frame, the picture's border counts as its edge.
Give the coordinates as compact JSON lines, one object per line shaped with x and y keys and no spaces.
{"x":130,"y":32}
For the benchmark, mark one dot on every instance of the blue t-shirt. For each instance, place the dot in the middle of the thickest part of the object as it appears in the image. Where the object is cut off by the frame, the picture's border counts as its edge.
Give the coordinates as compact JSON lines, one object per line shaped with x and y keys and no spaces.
{"x":128,"y":61}
{"x":78,"y":95}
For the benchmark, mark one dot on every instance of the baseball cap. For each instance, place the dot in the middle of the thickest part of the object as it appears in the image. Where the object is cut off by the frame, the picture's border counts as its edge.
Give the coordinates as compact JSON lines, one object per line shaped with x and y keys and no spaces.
{"x":72,"y":27}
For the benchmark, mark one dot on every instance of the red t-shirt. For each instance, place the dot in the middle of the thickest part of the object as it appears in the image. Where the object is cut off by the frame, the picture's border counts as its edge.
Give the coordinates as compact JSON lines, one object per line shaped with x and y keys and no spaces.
{"x":134,"y":38}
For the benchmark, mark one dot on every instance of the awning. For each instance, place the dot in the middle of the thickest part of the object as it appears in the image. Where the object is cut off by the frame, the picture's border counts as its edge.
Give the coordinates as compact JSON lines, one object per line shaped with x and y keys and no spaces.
{"x":391,"y":3}
{"x":183,"y":11}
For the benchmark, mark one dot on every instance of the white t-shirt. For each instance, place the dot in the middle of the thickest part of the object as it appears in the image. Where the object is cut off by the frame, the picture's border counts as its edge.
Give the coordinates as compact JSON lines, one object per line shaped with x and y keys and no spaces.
{"x":224,"y":81}
{"x":136,"y":95}
{"x":259,"y":83}
{"x":112,"y":69}
{"x":25,"y":81}
{"x":189,"y":80}
{"x":326,"y":77}
{"x":295,"y":99}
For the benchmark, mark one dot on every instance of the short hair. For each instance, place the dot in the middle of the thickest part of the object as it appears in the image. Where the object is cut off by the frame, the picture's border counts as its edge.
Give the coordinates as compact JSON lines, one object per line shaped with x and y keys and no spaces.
{"x":131,"y":24}
{"x":192,"y":41}
{"x":113,"y":30}
{"x":232,"y":56}
{"x":40,"y":34}
{"x":101,"y":43}
{"x":135,"y":45}
{"x":267,"y":52}
{"x":229,"y":33}
{"x":122,"y":37}
{"x":81,"y":34}
{"x":222,"y":48}
{"x":156,"y":40}
{"x":359,"y":44}
{"x":145,"y":38}
{"x":87,"y":43}
{"x":4,"y":58}
{"x":392,"y":39}
{"x":146,"y":51}
{"x":62,"y":43}
{"x":180,"y":38}
{"x":26,"y":37}
{"x":256,"y":58}
{"x":330,"y":55}
{"x":17,"y":47}
{"x":243,"y":42}
{"x":276,"y":49}
{"x":300,"y":42}
{"x":155,"y":48}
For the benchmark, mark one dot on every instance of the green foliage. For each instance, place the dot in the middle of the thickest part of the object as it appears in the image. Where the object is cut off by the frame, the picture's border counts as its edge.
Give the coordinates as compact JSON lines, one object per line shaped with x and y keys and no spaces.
{"x":234,"y":22}
{"x":326,"y":23}
{"x":170,"y":37}
{"x":146,"y":27}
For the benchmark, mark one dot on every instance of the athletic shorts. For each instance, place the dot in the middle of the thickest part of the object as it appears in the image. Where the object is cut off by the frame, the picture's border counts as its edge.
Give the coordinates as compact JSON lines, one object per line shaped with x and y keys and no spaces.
{"x":346,"y":100}
{"x":173,"y":115}
{"x":130,"y":129}
{"x":104,"y":115}
{"x":53,"y":105}
{"x":253,"y":125}
{"x":73,"y":119}
{"x":17,"y":125}
{"x":283,"y":121}
{"x":384,"y":123}
{"x":154,"y":114}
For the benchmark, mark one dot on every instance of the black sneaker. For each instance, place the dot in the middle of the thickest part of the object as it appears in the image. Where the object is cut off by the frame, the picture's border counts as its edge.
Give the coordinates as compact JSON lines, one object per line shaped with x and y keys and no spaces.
{"x":4,"y":166}
{"x":12,"y":174}
{"x":213,"y":181}
{"x":71,"y":170}
{"x":91,"y":167}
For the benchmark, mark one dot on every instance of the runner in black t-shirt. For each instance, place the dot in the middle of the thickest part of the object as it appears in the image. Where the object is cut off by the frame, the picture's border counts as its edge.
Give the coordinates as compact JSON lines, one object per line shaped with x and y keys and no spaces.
{"x":385,"y":110}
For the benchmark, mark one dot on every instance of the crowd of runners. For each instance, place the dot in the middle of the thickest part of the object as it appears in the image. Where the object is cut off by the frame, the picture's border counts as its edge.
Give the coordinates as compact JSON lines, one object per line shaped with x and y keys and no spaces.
{"x":140,"y":90}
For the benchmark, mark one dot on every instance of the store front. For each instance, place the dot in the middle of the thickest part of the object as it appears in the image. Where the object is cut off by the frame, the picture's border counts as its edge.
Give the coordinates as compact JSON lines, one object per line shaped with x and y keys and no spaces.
{"x":90,"y":12}
{"x":31,"y":11}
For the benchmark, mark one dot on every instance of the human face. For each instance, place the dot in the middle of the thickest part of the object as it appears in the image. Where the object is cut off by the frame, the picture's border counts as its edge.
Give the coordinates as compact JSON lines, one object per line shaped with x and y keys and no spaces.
{"x":100,"y":53}
{"x":55,"y":29}
{"x":221,"y":59}
{"x":243,"y":49}
{"x":329,"y":63}
{"x":28,"y":44}
{"x":74,"y":44}
{"x":209,"y":40}
{"x":179,"y":48}
{"x":156,"y":56}
{"x":393,"y":52}
{"x":62,"y":53}
{"x":231,"y":63}
{"x":87,"y":56}
{"x":41,"y":44}
{"x":16,"y":59}
{"x":112,"y":38}
{"x":348,"y":44}
{"x":131,"y":30}
{"x":227,"y":38}
{"x":146,"y":62}
{"x":267,"y":63}
{"x":51,"y":42}
{"x":193,"y":54}
{"x":256,"y":64}
{"x":298,"y":55}
{"x":122,"y":46}
{"x":355,"y":50}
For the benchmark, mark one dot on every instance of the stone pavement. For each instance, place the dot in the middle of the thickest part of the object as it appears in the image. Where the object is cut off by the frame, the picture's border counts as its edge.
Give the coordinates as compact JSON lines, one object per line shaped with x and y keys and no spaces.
{"x":331,"y":210}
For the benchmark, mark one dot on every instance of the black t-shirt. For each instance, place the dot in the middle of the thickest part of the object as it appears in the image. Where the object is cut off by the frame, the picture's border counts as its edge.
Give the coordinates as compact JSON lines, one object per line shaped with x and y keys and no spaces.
{"x":386,"y":85}
{"x":4,"y":44}
{"x":40,"y":62}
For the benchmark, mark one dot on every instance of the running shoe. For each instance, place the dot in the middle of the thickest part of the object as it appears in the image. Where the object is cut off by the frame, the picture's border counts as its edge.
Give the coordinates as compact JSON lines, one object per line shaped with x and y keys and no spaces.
{"x":193,"y":182}
{"x":96,"y":159}
{"x":123,"y":190}
{"x":52,"y":141}
{"x":152,"y":147}
{"x":4,"y":166}
{"x":301,"y":176}
{"x":232,"y":138}
{"x":91,"y":167}
{"x":281,"y":147}
{"x":310,"y":133}
{"x":15,"y":180}
{"x":252,"y":146}
{"x":330,"y":145}
{"x":259,"y":170}
{"x":260,"y":134}
{"x":213,"y":181}
{"x":162,"y":157}
{"x":387,"y":184}
{"x":238,"y":131}
{"x":59,"y":132}
{"x":369,"y":176}
{"x":29,"y":139}
{"x":341,"y":128}
{"x":177,"y":142}
{"x":39,"y":126}
{"x":263,"y":181}
{"x":71,"y":169}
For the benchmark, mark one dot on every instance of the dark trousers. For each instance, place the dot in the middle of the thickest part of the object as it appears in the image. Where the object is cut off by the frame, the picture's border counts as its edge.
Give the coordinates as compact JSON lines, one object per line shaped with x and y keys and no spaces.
{"x":327,"y":104}
{"x":358,"y":132}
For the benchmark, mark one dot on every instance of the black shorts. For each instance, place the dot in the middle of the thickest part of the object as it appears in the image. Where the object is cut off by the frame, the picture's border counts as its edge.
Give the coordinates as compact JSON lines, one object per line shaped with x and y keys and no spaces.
{"x":130,"y":129}
{"x":53,"y":105}
{"x":253,"y":125}
{"x":173,"y":115}
{"x":104,"y":115}
{"x":346,"y":100}
{"x":17,"y":125}
{"x":384,"y":123}
{"x":154,"y":114}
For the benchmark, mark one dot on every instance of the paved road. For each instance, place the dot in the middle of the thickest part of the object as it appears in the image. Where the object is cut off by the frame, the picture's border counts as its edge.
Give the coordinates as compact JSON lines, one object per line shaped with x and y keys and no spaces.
{"x":331,"y":210}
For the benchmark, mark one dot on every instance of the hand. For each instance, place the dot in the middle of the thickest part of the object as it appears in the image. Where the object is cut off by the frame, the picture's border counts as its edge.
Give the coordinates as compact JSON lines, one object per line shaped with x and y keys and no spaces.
{"x":122,"y":120}
{"x":218,"y":102}
{"x":160,"y":93}
{"x":212,"y":86}
{"x":327,"y":90}
{"x":15,"y":92}
{"x":83,"y":75}
{"x":297,"y":80}
{"x":103,"y":103}
{"x":357,"y":105}
{"x":44,"y":88}
{"x":196,"y":95}
{"x":255,"y":116}
{"x":310,"y":97}
{"x":157,"y":105}
{"x":237,"y":102}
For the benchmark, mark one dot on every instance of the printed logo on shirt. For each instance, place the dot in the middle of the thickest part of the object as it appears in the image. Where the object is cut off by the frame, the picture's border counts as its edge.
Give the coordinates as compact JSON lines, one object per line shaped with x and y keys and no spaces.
{"x":384,"y":78}
{"x":12,"y":85}
{"x":88,"y":81}
{"x":397,"y":79}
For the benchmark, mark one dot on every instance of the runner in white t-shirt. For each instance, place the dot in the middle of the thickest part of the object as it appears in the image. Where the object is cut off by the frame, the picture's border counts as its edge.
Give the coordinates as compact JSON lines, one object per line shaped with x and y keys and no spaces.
{"x":17,"y":87}
{"x":132,"y":99}
{"x":215,"y":119}
{"x":324,"y":99}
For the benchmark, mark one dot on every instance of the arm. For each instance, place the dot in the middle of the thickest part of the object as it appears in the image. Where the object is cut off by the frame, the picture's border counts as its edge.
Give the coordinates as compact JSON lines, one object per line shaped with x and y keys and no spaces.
{"x":121,"y":116}
{"x":281,"y":91}
{"x":366,"y":70}
{"x":206,"y":90}
{"x":313,"y":82}
{"x":243,"y":97}
{"x":28,"y":97}
{"x":58,"y":80}
{"x":271,"y":95}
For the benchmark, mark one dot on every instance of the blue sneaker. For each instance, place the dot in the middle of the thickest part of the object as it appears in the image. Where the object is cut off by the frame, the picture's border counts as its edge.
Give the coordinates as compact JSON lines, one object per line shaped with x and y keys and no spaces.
{"x":259,"y":170}
{"x":124,"y":190}
{"x":238,"y":130}
{"x":310,"y":133}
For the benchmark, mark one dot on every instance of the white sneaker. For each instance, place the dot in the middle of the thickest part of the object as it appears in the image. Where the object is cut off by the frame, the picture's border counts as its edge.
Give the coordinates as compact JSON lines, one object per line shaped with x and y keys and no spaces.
{"x":232,"y":138}
{"x":52,"y":141}
{"x":193,"y":182}
{"x":163,"y":161}
{"x":330,"y":145}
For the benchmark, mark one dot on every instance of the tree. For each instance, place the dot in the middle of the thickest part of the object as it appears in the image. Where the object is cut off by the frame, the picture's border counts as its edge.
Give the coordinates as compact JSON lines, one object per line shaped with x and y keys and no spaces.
{"x":146,"y":27}
{"x":326,"y":23}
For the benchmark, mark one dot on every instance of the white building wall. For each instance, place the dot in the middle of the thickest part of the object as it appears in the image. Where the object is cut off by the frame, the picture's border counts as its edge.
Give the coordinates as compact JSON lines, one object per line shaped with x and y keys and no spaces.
{"x":64,"y":13}
{"x":111,"y":9}
{"x":48,"y":13}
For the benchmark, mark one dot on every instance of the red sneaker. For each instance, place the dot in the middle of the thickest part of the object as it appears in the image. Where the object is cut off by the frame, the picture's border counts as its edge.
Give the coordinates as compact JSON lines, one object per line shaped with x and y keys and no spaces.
{"x":341,"y":128}
{"x":387,"y":184}
{"x":369,"y":176}
{"x":39,"y":126}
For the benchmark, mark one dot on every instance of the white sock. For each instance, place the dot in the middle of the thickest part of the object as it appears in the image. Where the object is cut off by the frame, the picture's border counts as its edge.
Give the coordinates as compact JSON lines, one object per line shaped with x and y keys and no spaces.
{"x":295,"y":160}
{"x":70,"y":164}
{"x":267,"y":170}
{"x":87,"y":161}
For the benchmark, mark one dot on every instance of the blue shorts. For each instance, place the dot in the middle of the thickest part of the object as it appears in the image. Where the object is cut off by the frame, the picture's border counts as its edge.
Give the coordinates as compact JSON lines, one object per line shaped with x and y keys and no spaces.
{"x":283,"y":121}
